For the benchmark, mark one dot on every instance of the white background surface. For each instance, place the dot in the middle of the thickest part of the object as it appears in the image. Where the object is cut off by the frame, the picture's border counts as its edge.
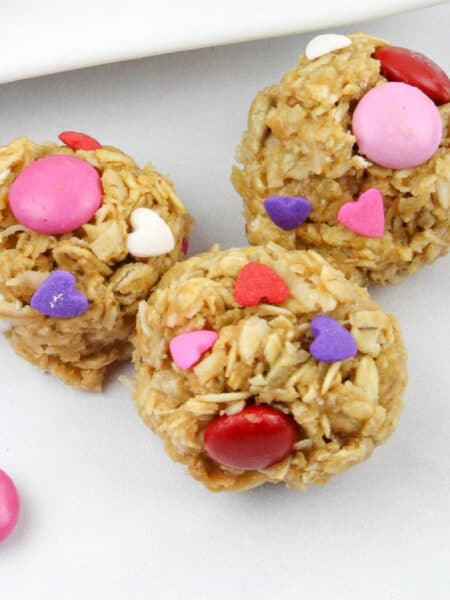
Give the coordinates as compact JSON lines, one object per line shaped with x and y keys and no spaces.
{"x":53,"y":35}
{"x":106,"y":515}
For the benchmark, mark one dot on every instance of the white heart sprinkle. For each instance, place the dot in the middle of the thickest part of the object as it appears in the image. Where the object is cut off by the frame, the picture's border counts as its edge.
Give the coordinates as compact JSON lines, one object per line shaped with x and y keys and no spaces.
{"x":323,"y":44}
{"x":151,"y":236}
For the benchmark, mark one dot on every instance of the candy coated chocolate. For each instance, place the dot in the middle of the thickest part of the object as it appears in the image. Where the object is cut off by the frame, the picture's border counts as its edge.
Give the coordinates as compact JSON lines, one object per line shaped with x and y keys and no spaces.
{"x":255,"y":438}
{"x":401,"y":64}
{"x":397,"y":126}
{"x":9,"y":505}
{"x":56,"y":194}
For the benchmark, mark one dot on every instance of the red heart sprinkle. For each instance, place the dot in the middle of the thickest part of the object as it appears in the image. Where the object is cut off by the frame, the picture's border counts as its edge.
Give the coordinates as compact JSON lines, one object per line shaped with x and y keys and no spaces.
{"x":255,"y":438}
{"x":79,"y":141}
{"x":413,"y":68}
{"x":259,"y":283}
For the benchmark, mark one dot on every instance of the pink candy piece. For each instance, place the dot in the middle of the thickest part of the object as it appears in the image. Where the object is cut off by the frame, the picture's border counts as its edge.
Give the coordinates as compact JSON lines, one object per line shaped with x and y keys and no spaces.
{"x":187,"y":348}
{"x":366,"y":215}
{"x":56,"y":194}
{"x":397,"y":126}
{"x":185,"y":246}
{"x":9,"y":505}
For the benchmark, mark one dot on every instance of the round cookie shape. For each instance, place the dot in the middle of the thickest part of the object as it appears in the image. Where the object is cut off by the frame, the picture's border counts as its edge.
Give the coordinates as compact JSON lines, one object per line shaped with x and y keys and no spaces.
{"x":402,"y":64}
{"x":283,"y":393}
{"x":397,"y":126}
{"x":56,"y":194}
{"x":71,"y":298}
{"x":300,"y":143}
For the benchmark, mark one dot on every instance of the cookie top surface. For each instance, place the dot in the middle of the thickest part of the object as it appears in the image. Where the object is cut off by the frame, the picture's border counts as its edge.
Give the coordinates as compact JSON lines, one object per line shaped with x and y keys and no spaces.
{"x":76,"y":254}
{"x":209,"y":347}
{"x":336,"y":127}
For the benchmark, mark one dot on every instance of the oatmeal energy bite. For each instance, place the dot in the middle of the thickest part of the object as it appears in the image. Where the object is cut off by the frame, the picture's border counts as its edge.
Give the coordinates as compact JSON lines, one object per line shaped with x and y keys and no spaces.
{"x":349,"y":156}
{"x":84,"y":236}
{"x":262,"y":364}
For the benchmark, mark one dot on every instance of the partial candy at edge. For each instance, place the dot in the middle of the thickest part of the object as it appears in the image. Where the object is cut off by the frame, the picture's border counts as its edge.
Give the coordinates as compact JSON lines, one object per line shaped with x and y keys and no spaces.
{"x":287,"y":212}
{"x":56,"y":194}
{"x":258,"y":283}
{"x":9,"y":505}
{"x":397,"y":126}
{"x":79,"y":141}
{"x":413,"y":68}
{"x":188,"y":348}
{"x":333,"y":342}
{"x":58,"y":297}
{"x":255,"y":438}
{"x":326,"y":43}
{"x":151,"y":236}
{"x":365,"y":216}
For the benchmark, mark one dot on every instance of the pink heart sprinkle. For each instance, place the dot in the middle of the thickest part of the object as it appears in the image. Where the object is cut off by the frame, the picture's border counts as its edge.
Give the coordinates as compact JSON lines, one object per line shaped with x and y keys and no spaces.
{"x":366,"y":215}
{"x":187,"y":348}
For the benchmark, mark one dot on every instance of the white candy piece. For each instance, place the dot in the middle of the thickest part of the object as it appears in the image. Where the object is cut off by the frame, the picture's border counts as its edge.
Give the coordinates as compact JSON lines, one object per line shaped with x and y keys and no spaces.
{"x":323,"y":44}
{"x":151,"y":236}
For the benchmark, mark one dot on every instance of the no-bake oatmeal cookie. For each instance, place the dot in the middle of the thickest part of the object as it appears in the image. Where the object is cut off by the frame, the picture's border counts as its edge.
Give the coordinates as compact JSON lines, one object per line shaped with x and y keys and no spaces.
{"x":264,"y":365}
{"x":71,"y":297}
{"x":312,"y":137}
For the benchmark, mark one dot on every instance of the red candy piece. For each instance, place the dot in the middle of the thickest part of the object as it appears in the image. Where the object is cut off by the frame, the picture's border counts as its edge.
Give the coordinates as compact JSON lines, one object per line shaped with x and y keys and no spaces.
{"x":255,"y":438}
{"x":79,"y":141}
{"x":413,"y":68}
{"x":259,"y":283}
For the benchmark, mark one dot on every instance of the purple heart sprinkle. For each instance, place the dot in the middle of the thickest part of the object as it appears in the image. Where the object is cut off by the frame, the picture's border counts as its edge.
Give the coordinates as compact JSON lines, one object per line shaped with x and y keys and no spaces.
{"x":58,"y":297}
{"x":333,"y":342}
{"x":288,"y":212}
